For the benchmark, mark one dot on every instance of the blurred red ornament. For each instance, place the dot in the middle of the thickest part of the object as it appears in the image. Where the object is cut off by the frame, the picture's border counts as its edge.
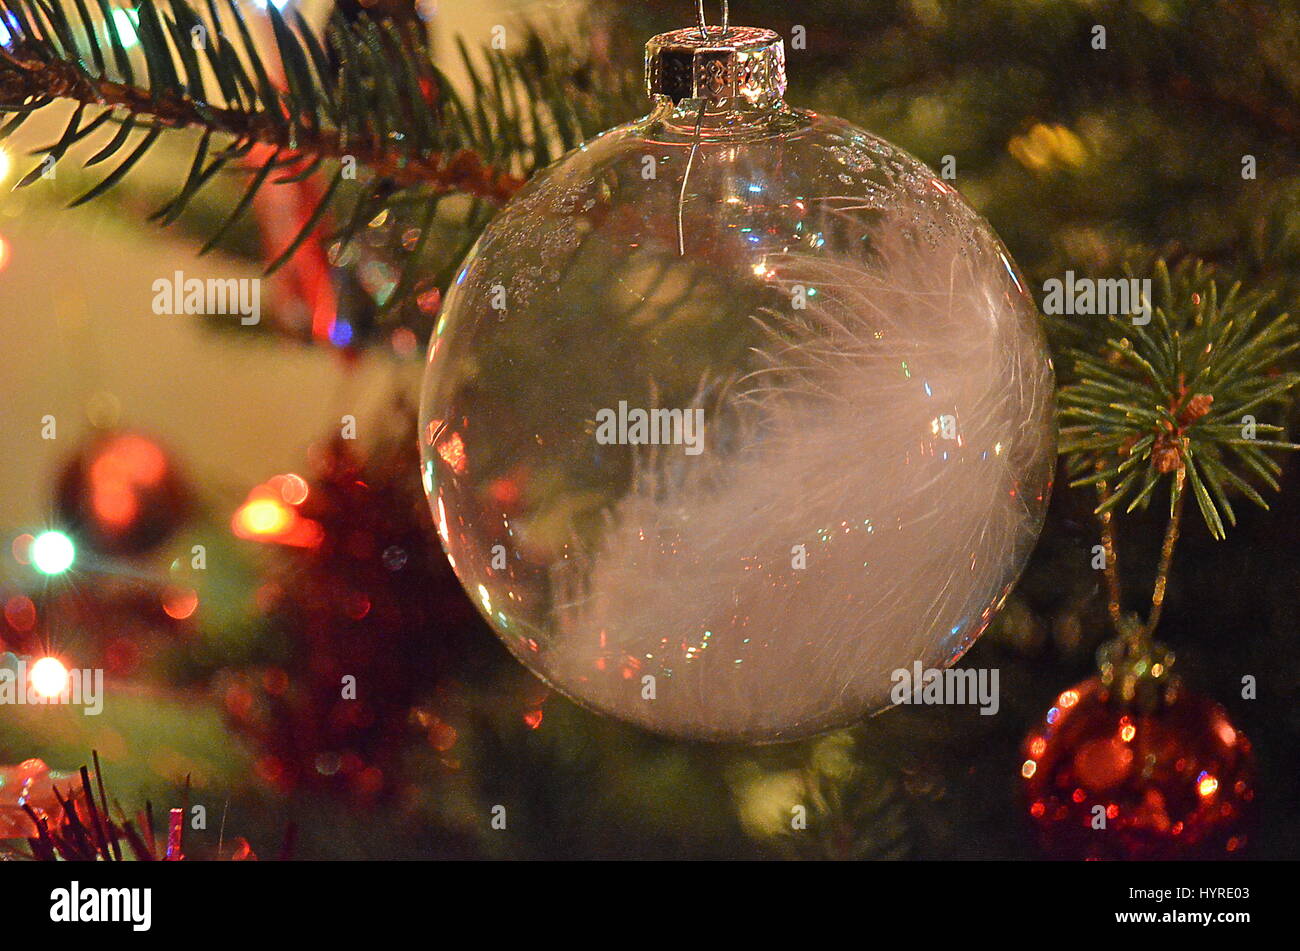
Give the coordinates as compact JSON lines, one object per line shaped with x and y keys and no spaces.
{"x":1104,"y":779}
{"x":121,"y":494}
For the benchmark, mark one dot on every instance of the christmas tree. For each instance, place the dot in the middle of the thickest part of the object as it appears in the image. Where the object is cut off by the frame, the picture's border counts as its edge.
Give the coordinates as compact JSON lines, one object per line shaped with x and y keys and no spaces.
{"x":286,"y":654}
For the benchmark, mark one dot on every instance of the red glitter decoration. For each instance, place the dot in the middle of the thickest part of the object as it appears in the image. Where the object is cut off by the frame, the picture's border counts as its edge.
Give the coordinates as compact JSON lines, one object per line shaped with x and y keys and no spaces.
{"x":361,"y":614}
{"x":1173,"y":783}
{"x":175,"y":835}
{"x":82,"y":828}
{"x":30,"y":783}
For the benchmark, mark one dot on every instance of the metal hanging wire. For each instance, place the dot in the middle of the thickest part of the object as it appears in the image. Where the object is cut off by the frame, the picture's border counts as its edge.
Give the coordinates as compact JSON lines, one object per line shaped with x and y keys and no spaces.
{"x":726,"y":19}
{"x":699,"y":121}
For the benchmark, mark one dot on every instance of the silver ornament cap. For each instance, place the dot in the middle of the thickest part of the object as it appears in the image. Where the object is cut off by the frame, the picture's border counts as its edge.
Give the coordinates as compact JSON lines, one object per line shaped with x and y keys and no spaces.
{"x":716,"y":63}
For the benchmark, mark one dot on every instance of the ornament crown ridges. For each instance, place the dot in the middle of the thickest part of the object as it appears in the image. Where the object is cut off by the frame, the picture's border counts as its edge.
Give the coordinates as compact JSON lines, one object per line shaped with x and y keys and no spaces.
{"x":741,"y":62}
{"x":1136,"y":670}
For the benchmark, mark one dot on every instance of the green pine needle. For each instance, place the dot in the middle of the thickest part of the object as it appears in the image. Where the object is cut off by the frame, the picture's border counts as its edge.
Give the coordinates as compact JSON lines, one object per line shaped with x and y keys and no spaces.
{"x":365,"y":95}
{"x":1186,"y":391}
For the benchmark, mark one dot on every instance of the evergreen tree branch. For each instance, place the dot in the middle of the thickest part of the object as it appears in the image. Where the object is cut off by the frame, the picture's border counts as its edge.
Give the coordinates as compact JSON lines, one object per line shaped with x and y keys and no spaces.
{"x":364,"y":95}
{"x":1175,"y":399}
{"x":464,"y":171}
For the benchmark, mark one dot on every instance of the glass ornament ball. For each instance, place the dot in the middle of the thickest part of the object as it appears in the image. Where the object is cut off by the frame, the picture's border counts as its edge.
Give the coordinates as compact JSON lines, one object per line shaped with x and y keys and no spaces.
{"x":732,"y":414}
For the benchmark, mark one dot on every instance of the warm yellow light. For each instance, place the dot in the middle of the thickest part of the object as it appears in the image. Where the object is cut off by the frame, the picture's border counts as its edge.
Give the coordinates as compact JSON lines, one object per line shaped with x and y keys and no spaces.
{"x":1207,"y":786}
{"x":1048,"y":146}
{"x":6,"y":164}
{"x":265,"y":517}
{"x":49,"y":677}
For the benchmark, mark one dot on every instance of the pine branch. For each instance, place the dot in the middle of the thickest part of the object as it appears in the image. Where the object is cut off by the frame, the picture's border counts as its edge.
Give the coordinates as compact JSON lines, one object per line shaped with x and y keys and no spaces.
{"x":1176,"y":400}
{"x":364,"y":98}
{"x":465,"y":171}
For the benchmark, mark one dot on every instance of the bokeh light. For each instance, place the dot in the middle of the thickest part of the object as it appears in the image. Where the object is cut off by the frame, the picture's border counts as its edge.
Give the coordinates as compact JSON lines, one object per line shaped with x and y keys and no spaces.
{"x":270,"y":514}
{"x":264,"y":517}
{"x":125,"y":465}
{"x":22,"y":547}
{"x":180,"y":603}
{"x":20,"y":613}
{"x":48,"y":676}
{"x":52,"y":553}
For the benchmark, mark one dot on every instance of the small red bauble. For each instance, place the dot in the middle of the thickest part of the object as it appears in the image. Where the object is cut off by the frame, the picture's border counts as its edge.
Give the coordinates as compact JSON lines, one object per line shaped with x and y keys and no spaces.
{"x":1109,"y":780}
{"x":122,"y":494}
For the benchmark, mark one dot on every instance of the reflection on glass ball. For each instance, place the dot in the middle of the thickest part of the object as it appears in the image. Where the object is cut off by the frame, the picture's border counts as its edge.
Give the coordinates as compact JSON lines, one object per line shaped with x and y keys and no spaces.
{"x":717,"y":453}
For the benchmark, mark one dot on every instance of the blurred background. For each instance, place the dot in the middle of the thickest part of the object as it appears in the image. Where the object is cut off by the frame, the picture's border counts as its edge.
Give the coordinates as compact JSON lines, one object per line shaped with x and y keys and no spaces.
{"x":140,"y":437}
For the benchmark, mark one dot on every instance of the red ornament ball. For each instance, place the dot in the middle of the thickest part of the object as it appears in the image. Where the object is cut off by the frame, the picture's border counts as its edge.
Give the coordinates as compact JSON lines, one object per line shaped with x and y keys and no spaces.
{"x":121,"y":494}
{"x":1106,"y":780}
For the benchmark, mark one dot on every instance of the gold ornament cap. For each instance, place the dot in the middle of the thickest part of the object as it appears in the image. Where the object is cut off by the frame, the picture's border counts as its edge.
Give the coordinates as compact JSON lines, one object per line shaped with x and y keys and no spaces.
{"x":716,"y":63}
{"x":1136,"y":670}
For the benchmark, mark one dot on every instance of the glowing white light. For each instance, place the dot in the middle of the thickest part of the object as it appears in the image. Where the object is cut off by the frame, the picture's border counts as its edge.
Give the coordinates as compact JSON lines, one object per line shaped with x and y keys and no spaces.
{"x":52,"y":553}
{"x":49,"y":677}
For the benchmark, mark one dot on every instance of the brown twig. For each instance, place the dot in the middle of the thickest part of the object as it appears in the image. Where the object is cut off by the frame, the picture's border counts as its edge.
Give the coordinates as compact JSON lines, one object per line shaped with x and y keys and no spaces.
{"x":1110,"y":568}
{"x":28,"y":78}
{"x":1167,"y":553}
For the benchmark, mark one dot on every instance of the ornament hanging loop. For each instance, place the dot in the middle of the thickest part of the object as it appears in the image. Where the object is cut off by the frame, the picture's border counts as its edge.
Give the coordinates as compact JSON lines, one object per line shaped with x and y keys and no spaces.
{"x":726,"y":19}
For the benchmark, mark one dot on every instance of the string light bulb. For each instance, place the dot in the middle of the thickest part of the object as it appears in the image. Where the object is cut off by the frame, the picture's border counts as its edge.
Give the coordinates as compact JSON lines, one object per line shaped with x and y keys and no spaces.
{"x":52,"y":553}
{"x":48,"y":677}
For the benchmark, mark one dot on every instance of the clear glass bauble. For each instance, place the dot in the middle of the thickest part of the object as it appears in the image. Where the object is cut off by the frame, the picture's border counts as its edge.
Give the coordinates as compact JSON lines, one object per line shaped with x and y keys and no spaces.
{"x":722,"y":459}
